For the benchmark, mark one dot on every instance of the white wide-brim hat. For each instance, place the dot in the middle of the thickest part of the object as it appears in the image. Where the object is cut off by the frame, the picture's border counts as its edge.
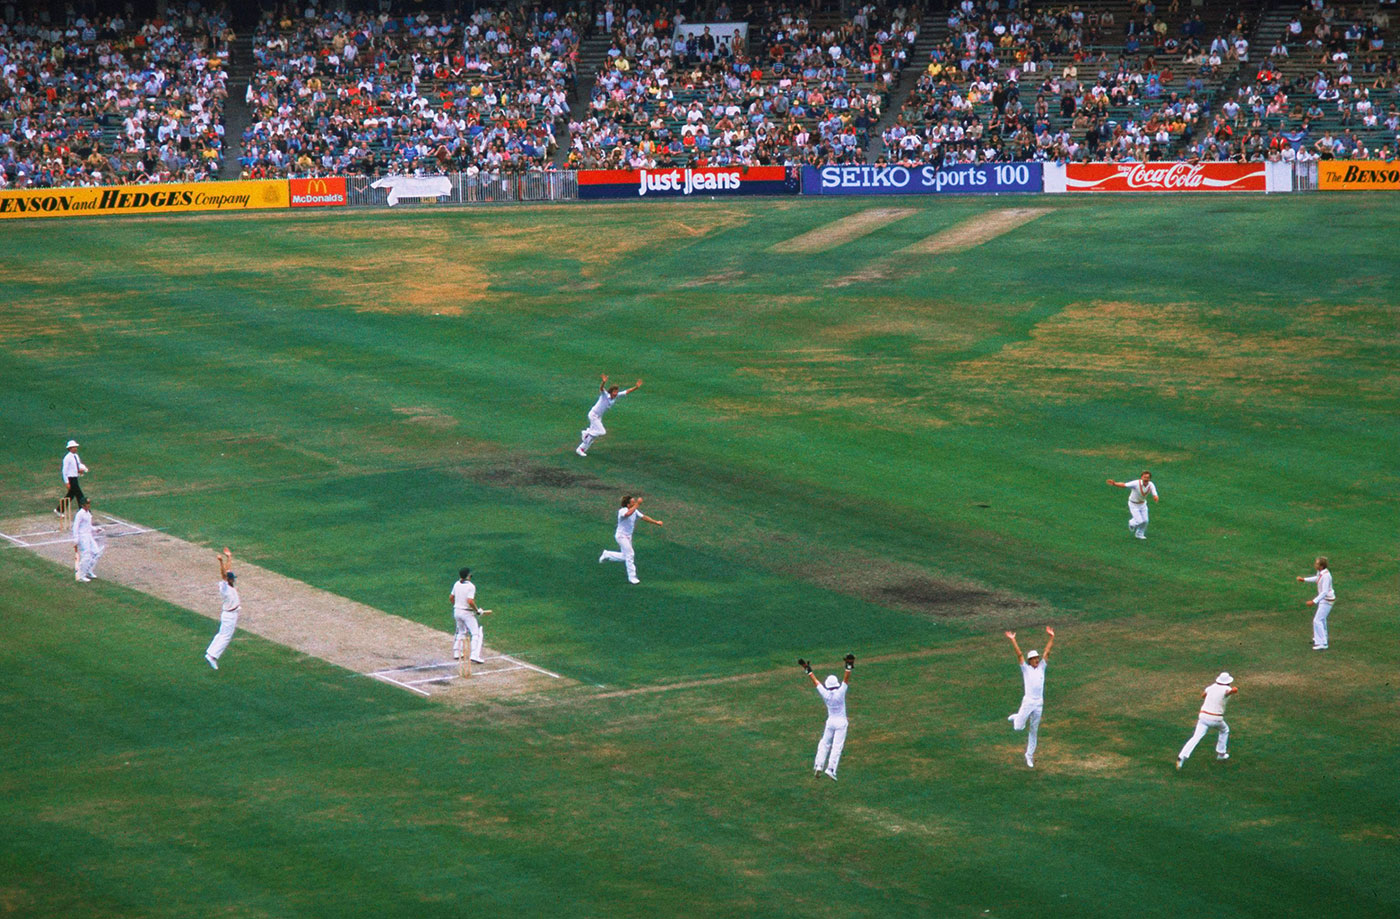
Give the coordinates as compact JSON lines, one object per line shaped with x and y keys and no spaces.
{"x":1225,"y":678}
{"x":72,"y":443}
{"x":832,"y":681}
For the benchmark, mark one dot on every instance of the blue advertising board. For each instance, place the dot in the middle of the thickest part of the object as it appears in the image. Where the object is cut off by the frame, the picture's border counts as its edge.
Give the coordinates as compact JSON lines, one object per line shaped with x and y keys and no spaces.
{"x":961,"y":179}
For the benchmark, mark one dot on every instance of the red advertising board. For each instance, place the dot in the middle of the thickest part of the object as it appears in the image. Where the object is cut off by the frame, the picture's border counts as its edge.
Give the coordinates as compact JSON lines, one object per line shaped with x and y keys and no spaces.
{"x":680,"y":181}
{"x":1165,"y":177}
{"x":318,"y":192}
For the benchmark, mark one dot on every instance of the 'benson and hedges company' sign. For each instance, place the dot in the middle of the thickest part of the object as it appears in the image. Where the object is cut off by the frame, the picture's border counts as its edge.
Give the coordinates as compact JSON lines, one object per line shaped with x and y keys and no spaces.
{"x":680,"y":182}
{"x":966,"y":179}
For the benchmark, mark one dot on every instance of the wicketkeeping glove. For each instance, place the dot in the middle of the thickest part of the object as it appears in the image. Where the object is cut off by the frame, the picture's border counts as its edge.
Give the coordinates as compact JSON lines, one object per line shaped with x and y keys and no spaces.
{"x":850,"y":662}
{"x":804,"y":665}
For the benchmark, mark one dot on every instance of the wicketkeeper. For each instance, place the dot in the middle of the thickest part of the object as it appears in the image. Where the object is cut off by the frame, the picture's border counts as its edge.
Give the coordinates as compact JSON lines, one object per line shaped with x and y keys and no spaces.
{"x":833,"y":693}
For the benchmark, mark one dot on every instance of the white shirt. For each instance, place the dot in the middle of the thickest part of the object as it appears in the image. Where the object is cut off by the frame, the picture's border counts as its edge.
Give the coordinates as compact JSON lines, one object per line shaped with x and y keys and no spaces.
{"x":1323,"y":579}
{"x":835,"y":700}
{"x":1214,"y":703}
{"x":82,"y":525}
{"x":463,"y":591}
{"x":1034,"y":680}
{"x":229,"y":593}
{"x":1136,"y":492}
{"x":626,"y":522}
{"x":70,"y":466}
{"x":605,"y":402}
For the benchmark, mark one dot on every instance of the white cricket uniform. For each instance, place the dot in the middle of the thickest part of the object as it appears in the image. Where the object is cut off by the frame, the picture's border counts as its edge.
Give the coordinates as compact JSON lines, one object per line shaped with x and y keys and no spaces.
{"x":466,"y":620}
{"x":84,"y":536}
{"x":72,"y":466}
{"x":1212,"y":715}
{"x":595,"y":427}
{"x":626,"y":523}
{"x":1137,"y":506}
{"x":1324,"y":600}
{"x":228,"y":620}
{"x":834,"y":734}
{"x":1032,"y":704}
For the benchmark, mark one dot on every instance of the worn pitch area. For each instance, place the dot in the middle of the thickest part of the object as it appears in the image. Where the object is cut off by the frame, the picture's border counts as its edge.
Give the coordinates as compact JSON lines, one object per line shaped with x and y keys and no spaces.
{"x":976,"y":230}
{"x":847,"y":229}
{"x":289,"y":612}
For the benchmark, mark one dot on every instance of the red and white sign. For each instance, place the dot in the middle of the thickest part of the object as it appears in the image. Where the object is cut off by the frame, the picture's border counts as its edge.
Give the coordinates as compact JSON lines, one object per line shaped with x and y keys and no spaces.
{"x":329,"y":192}
{"x":1165,"y":177}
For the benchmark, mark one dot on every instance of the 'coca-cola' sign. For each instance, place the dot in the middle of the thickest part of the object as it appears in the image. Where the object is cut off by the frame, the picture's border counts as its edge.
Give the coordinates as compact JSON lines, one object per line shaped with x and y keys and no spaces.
{"x":1165,"y":177}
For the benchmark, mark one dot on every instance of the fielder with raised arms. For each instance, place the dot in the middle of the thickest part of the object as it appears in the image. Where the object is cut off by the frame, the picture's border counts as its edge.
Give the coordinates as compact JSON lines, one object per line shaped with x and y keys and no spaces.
{"x":833,"y":693}
{"x":607,"y":395}
{"x":1138,"y":490}
{"x":1033,"y":665}
{"x":230,"y":604}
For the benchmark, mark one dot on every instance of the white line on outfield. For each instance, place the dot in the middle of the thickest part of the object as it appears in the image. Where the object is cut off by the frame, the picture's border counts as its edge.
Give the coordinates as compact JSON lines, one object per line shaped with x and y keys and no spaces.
{"x":530,"y":666}
{"x":454,"y":676}
{"x":386,"y":679}
{"x":18,"y":544}
{"x":15,"y":539}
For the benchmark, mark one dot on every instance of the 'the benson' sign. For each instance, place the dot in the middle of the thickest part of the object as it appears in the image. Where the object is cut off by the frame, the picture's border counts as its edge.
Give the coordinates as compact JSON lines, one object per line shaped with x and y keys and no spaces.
{"x":1165,"y":177}
{"x":681,"y":182}
{"x":964,"y":178}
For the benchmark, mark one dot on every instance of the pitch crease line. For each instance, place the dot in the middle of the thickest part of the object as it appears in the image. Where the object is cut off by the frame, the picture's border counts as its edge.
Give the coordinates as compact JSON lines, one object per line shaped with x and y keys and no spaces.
{"x":386,"y":679}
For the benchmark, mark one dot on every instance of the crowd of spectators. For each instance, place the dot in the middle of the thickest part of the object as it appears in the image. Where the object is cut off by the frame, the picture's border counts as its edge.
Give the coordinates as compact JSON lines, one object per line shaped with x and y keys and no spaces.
{"x":784,"y":91}
{"x":1325,"y":90}
{"x":108,"y":100}
{"x":379,"y":93}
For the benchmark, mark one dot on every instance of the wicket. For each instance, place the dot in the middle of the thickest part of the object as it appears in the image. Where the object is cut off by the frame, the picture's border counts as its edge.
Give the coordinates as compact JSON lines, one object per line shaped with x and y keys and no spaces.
{"x":65,"y":513}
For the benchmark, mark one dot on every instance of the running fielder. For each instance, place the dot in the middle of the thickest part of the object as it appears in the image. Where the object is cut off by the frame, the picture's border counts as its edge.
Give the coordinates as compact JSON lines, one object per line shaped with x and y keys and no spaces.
{"x":1027,"y":717}
{"x":464,"y":614}
{"x":1323,"y":601}
{"x":627,"y":517}
{"x":1212,"y":715}
{"x":1137,"y":502}
{"x":833,"y":693}
{"x":607,"y":395}
{"x":228,"y":616}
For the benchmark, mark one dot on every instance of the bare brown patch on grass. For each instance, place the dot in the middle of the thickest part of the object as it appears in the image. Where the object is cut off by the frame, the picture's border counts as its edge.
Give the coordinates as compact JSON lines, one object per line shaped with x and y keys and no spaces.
{"x":427,"y":416}
{"x":1179,"y":349}
{"x":720,"y":277}
{"x":1128,"y":453}
{"x":839,"y":232}
{"x":975,"y":231}
{"x":1106,"y":765}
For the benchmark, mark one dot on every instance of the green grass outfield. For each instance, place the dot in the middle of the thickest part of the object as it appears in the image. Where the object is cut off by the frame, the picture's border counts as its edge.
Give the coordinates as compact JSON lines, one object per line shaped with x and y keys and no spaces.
{"x":899,"y":463}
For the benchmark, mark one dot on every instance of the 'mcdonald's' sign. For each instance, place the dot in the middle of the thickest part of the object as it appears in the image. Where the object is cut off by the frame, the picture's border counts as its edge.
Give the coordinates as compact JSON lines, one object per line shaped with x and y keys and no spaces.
{"x":681,"y":182}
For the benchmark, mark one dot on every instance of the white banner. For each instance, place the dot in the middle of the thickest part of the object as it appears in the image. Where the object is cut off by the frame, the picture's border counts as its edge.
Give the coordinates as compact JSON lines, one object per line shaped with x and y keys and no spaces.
{"x":414,"y":187}
{"x":722,"y":32}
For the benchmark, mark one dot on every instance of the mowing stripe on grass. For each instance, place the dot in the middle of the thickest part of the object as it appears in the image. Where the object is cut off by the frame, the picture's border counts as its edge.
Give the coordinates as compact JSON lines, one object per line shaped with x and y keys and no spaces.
{"x":287,"y":611}
{"x":975,"y":231}
{"x":840,"y":232}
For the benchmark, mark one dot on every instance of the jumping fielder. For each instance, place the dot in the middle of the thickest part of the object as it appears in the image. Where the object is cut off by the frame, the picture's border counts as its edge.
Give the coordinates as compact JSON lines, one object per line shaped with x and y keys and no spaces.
{"x":1323,"y":601}
{"x":833,"y":693}
{"x":627,"y":517}
{"x":1137,"y":502}
{"x":228,"y":617}
{"x":72,"y":469}
{"x":1212,"y":715}
{"x":1033,"y":666}
{"x":464,"y":613}
{"x":85,"y":540}
{"x":607,"y":395}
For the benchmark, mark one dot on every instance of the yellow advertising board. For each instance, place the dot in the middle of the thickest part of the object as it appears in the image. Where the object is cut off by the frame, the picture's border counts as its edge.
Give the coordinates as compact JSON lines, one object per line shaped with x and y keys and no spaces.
{"x":145,"y":199}
{"x":1357,"y":175}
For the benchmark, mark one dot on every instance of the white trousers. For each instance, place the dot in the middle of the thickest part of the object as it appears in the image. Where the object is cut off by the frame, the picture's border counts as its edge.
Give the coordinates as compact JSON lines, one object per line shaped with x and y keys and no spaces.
{"x":467,"y":624}
{"x":1137,"y":519}
{"x":831,"y":744}
{"x":88,"y":554}
{"x":227,"y":623}
{"x":594,"y":430}
{"x":1027,"y":718}
{"x":624,"y":555}
{"x":1203,"y":724}
{"x":1324,"y":608}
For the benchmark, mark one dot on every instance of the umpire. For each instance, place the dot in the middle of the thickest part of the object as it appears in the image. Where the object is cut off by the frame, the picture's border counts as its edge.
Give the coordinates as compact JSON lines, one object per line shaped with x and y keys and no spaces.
{"x":73,"y":469}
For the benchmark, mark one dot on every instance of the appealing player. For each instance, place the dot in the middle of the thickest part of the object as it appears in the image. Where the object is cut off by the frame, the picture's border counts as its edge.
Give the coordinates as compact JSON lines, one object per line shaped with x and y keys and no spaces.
{"x":1323,"y":601}
{"x":833,"y":693}
{"x":228,"y":616}
{"x":1212,"y":715}
{"x":607,"y":395}
{"x":627,"y":516}
{"x":1033,"y":666}
{"x":1138,"y":490}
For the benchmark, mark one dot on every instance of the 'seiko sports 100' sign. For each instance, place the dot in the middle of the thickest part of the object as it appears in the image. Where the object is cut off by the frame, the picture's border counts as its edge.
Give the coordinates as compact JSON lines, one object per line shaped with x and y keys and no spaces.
{"x":682,"y":182}
{"x":963,"y":178}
